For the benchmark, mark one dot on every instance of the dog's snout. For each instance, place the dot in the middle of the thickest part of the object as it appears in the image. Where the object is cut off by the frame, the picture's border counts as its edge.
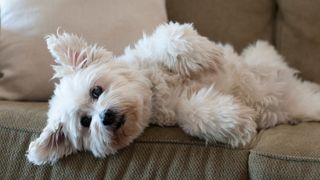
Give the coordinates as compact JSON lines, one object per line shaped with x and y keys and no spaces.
{"x":112,"y":118}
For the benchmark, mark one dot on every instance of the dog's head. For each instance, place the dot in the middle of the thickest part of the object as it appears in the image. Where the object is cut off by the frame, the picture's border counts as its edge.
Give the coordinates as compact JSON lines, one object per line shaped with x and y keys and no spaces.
{"x":99,"y":103}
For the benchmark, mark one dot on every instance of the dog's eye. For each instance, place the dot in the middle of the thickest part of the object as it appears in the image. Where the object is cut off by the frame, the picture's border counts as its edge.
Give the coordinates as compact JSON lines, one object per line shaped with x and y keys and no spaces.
{"x":85,"y":121}
{"x":96,"y":92}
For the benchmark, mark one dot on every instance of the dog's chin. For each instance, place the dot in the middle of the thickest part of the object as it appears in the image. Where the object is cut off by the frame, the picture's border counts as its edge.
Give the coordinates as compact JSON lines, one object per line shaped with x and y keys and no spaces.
{"x":118,"y":139}
{"x":105,"y":141}
{"x":129,"y":131}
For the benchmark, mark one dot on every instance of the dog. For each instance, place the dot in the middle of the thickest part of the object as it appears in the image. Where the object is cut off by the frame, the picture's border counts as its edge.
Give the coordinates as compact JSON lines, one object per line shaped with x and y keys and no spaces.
{"x":174,"y":76}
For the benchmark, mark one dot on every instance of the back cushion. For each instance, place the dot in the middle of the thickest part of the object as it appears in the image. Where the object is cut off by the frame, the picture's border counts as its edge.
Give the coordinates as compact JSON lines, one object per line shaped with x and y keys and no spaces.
{"x":298,"y":35}
{"x":293,"y":26}
{"x":25,"y":70}
{"x":237,"y":22}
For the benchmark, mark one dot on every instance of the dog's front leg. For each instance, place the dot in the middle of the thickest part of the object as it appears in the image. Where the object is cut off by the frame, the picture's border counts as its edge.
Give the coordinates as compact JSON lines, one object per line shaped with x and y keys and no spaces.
{"x":213,"y":116}
{"x":178,"y":47}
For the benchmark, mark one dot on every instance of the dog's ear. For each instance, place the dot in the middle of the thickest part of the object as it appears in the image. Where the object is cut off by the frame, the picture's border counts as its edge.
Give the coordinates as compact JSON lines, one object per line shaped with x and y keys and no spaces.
{"x":73,"y":53}
{"x":52,"y":144}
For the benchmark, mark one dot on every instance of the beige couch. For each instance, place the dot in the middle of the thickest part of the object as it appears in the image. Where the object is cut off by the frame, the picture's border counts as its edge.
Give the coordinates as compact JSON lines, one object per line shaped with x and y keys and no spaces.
{"x":283,"y":152}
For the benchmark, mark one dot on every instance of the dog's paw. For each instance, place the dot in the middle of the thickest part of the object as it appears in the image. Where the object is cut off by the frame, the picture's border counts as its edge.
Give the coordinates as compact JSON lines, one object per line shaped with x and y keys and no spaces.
{"x":37,"y":156}
{"x":235,"y":121}
{"x":213,"y":116}
{"x":49,"y":147}
{"x":186,"y":50}
{"x":236,"y":125}
{"x":243,"y":130}
{"x":236,"y":131}
{"x":180,"y":48}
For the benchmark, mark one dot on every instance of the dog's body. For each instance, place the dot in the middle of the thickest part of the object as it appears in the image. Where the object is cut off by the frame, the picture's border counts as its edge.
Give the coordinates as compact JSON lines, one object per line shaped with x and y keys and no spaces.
{"x":174,"y":76}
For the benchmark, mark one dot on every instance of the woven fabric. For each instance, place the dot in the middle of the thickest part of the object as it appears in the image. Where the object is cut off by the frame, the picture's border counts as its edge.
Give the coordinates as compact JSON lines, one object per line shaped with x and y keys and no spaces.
{"x":269,"y":166}
{"x":159,"y":153}
{"x":298,"y":37}
{"x":301,"y":140}
{"x":287,"y":152}
{"x":237,"y":22}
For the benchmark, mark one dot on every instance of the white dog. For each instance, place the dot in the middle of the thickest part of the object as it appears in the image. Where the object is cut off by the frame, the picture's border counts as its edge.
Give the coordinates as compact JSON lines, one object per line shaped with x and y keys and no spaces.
{"x":174,"y":76}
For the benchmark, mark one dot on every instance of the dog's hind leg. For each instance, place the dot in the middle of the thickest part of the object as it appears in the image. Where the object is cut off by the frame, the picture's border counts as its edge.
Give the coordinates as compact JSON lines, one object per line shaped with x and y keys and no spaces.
{"x":302,"y":101}
{"x":178,"y":47}
{"x":213,"y":116}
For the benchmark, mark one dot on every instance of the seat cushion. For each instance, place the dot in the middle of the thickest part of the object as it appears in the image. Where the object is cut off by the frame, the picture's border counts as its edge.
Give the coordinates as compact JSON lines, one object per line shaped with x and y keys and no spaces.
{"x":159,"y":153}
{"x":290,"y":152}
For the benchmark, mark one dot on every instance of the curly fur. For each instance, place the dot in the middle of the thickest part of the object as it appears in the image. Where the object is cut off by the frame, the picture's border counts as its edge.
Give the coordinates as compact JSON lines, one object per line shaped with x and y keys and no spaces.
{"x":173,"y":76}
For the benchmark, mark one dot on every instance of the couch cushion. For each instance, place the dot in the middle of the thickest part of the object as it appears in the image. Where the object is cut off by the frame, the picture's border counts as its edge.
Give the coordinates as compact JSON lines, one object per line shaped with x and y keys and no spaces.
{"x":298,"y":37}
{"x":159,"y":153}
{"x":25,"y":70}
{"x":292,"y":25}
{"x":236,"y":22}
{"x":290,"y":152}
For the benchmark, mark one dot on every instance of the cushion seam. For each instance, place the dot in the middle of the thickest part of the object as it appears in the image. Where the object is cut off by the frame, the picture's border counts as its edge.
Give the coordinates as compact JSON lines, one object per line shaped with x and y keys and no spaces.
{"x":190,"y":143}
{"x":285,"y":157}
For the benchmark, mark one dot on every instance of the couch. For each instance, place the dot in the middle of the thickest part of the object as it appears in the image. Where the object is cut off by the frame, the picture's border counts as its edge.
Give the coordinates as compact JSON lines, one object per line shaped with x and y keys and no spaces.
{"x":282,"y":152}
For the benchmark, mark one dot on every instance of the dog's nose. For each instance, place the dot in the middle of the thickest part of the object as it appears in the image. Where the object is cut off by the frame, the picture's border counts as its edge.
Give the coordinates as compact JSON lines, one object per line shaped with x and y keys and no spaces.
{"x":108,"y":117}
{"x":112,"y":118}
{"x":85,"y":121}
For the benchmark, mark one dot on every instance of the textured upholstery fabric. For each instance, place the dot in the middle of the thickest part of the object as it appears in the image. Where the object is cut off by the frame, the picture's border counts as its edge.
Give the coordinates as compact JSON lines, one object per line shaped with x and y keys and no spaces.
{"x":237,"y":22}
{"x":159,"y":153}
{"x":287,"y":152}
{"x":298,"y":35}
{"x":300,"y":140}
{"x":270,"y":166}
{"x":162,"y":152}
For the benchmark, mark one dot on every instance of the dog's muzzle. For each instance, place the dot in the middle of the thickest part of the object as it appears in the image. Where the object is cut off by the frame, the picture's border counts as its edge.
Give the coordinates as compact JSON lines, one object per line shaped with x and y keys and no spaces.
{"x":112,"y":118}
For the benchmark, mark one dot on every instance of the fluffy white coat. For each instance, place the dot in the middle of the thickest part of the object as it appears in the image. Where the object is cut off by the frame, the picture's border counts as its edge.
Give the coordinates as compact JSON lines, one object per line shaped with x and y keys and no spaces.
{"x":173,"y":76}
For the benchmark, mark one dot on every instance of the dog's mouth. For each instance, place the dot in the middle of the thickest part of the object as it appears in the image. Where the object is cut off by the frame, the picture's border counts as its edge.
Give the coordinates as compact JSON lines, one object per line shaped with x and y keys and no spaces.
{"x":120,"y":122}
